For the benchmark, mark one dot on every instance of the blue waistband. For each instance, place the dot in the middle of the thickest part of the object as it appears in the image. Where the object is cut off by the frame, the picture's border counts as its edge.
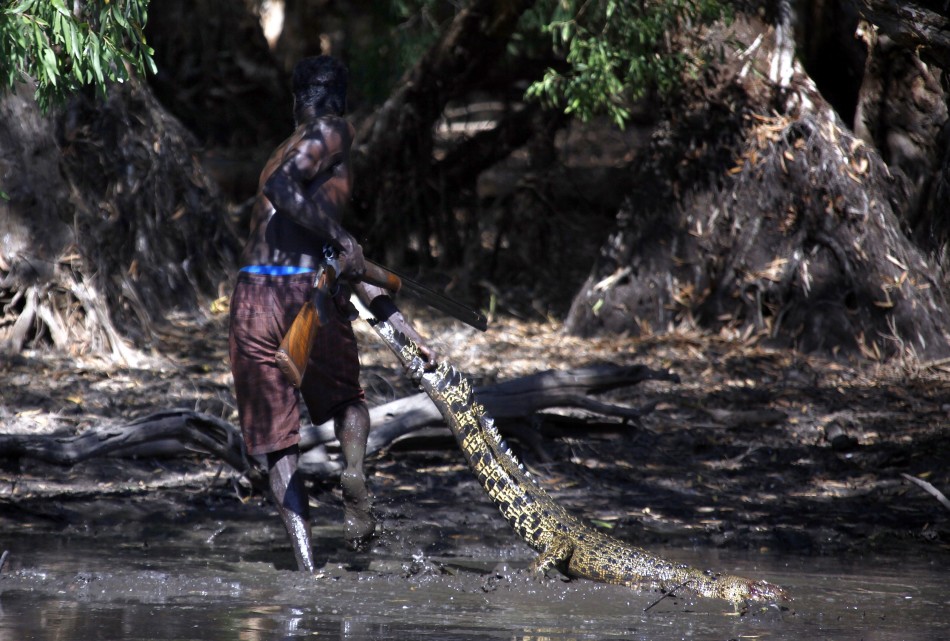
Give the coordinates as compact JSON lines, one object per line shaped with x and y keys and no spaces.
{"x":276,"y":270}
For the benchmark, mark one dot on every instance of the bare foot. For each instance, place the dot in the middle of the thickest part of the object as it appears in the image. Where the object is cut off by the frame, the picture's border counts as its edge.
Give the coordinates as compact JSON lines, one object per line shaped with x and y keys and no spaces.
{"x":359,"y":524}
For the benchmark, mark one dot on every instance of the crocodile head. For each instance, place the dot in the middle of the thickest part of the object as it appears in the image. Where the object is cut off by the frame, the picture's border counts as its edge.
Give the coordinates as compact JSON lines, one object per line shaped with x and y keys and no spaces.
{"x":762,"y":591}
{"x":737,"y":589}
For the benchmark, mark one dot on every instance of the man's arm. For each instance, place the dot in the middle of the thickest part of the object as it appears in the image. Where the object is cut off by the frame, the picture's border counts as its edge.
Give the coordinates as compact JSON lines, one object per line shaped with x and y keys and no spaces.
{"x":287,"y":187}
{"x":294,"y":189}
{"x":378,"y":301}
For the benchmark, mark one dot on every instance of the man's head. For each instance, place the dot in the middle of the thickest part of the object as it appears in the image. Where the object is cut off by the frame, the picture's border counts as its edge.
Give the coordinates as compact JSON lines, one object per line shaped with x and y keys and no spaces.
{"x":319,"y":86}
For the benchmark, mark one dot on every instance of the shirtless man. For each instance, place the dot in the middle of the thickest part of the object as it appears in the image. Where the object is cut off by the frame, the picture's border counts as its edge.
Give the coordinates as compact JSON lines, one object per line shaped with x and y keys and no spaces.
{"x":303,"y":191}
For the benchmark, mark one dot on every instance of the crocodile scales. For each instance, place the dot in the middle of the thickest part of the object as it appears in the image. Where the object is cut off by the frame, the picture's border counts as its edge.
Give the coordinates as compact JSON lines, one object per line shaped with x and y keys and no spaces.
{"x":562,"y":540}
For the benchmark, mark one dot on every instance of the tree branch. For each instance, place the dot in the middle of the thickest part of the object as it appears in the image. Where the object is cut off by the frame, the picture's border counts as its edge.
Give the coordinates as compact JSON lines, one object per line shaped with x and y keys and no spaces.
{"x":929,"y":489}
{"x":923,"y":25}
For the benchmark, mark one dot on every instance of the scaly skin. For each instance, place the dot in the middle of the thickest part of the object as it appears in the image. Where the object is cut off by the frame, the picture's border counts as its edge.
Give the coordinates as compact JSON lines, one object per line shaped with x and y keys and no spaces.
{"x":563,"y":540}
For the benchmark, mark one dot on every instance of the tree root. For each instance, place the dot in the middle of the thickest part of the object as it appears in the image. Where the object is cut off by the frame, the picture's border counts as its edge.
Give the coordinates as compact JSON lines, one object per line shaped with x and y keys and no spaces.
{"x":50,"y":310}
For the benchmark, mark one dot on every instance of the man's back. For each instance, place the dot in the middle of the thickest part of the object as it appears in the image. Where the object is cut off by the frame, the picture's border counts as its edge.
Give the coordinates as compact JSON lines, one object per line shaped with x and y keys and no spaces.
{"x":312,"y":168}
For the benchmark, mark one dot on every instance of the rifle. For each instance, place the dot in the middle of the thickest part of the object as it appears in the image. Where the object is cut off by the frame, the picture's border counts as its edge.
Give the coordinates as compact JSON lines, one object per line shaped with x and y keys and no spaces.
{"x":294,"y":350}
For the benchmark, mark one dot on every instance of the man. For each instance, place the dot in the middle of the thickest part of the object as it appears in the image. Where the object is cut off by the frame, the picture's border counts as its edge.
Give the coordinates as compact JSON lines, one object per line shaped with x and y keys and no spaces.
{"x":303,"y":191}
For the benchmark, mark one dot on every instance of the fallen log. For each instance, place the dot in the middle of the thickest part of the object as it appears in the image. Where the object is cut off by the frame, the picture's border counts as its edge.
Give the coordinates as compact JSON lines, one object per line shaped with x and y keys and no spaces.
{"x":524,"y":396}
{"x":178,"y":431}
{"x":161,"y":431}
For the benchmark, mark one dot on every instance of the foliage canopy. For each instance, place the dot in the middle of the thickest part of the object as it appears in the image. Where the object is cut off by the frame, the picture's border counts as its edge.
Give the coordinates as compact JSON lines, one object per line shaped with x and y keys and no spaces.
{"x":61,"y":49}
{"x":616,"y":51}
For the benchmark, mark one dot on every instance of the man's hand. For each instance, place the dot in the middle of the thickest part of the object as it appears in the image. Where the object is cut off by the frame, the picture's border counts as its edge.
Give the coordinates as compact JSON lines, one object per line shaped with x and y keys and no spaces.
{"x":430,"y":358}
{"x":430,"y":355}
{"x":382,"y":307}
{"x":352,"y":265}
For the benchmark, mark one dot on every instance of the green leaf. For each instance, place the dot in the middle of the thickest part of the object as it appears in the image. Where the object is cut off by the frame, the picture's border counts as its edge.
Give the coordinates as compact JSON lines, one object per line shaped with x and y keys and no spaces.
{"x":58,"y":28}
{"x":22,"y":7}
{"x":72,"y":42}
{"x":60,"y":6}
{"x":39,"y":40}
{"x":77,"y":73}
{"x":150,"y":61}
{"x":49,"y":66}
{"x":119,"y":18}
{"x":96,"y":60}
{"x":616,"y":50}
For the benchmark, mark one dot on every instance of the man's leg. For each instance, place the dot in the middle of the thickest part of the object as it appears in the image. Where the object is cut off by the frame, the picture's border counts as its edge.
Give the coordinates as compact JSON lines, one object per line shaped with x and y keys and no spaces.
{"x":352,"y":429}
{"x":290,"y":495}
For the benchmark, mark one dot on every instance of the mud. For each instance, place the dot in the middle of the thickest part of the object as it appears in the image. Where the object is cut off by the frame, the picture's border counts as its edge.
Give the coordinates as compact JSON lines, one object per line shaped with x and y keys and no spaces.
{"x":220,"y":572}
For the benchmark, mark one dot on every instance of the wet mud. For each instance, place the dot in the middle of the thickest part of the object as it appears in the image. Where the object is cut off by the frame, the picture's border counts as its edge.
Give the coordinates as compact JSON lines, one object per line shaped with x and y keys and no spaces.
{"x":211,"y":569}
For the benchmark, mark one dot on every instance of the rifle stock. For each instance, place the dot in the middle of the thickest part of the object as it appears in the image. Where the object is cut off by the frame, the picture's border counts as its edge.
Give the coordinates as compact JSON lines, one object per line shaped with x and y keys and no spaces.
{"x":294,"y":350}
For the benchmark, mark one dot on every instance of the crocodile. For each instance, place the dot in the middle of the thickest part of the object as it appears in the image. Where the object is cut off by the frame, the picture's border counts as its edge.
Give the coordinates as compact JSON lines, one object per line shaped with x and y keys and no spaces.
{"x":563,"y":541}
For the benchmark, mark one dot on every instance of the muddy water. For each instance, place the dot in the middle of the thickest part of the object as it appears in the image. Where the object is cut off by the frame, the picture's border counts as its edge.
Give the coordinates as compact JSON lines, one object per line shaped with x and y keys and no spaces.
{"x":225,"y":579}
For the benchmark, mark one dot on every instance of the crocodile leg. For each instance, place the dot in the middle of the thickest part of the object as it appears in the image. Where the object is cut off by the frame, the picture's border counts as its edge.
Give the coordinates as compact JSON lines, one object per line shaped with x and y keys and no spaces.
{"x":556,"y":554}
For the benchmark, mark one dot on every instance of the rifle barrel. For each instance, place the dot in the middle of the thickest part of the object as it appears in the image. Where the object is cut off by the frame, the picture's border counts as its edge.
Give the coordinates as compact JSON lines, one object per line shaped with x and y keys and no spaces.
{"x":379,"y":275}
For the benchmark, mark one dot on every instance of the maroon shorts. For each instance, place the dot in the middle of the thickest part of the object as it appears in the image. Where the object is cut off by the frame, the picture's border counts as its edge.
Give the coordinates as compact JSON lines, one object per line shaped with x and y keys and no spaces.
{"x":262,"y":310}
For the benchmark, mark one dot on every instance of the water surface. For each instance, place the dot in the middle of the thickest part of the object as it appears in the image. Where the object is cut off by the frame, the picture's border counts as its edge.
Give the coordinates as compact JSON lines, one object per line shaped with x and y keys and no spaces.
{"x":228,"y":580}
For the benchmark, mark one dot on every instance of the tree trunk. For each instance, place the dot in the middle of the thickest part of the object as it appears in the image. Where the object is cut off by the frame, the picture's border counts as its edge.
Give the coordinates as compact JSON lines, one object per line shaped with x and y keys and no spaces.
{"x":902,"y":111}
{"x":217,"y":75}
{"x":394,"y":194}
{"x":778,"y":223}
{"x":35,"y":232}
{"x":110,"y":226}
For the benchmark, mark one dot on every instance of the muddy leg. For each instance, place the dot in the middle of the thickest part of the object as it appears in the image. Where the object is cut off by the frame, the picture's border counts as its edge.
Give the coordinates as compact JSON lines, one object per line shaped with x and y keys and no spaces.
{"x":352,"y":429}
{"x":290,"y":496}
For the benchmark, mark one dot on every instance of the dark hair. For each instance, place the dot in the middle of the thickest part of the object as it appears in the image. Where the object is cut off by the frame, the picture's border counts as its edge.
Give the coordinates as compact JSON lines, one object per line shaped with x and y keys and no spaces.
{"x":319,"y":83}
